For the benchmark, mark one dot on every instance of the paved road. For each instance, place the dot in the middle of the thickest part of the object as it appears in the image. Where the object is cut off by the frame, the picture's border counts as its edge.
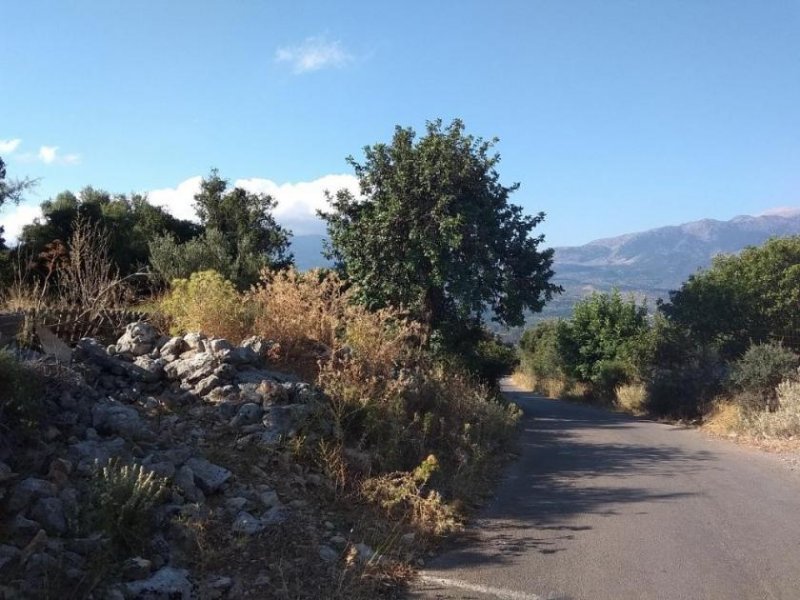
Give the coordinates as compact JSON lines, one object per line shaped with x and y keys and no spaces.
{"x":602,"y":506}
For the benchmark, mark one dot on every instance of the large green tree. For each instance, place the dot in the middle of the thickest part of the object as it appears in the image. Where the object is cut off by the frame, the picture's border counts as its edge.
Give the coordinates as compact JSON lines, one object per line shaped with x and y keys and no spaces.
{"x":751,"y":297}
{"x":599,"y":344}
{"x":434,"y":232}
{"x":240,"y":225}
{"x":131,"y":220}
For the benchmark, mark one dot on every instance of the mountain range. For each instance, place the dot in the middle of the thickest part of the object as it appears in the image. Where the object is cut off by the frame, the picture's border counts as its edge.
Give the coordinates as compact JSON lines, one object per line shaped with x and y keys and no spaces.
{"x":647,"y":264}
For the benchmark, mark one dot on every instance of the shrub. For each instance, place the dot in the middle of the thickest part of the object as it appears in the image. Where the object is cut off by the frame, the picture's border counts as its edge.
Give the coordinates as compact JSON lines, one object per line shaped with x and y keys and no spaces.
{"x":123,"y":498}
{"x":539,"y":352}
{"x":598,"y":344}
{"x":782,"y":422}
{"x":631,"y":398}
{"x":303,"y":312}
{"x":406,"y":497}
{"x":209,"y":303}
{"x":757,"y":374}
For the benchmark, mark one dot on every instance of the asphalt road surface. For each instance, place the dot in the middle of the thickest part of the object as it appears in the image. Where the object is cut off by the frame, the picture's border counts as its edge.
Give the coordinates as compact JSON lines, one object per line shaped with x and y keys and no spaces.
{"x":604,"y":506}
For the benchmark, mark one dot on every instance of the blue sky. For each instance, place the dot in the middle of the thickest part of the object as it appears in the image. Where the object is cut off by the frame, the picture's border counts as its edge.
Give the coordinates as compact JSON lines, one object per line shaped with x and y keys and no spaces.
{"x":614,"y":115}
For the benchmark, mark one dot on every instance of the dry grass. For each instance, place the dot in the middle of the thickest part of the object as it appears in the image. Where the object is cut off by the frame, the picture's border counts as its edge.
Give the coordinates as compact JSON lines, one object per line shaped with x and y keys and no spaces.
{"x":303,"y":312}
{"x":552,"y":387}
{"x":724,"y":419}
{"x":631,"y":398}
{"x":784,"y":421}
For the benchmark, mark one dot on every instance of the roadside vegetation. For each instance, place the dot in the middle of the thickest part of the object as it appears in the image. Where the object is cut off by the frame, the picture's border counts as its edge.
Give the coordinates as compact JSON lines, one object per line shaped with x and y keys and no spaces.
{"x":409,"y":426}
{"x":722,"y":350}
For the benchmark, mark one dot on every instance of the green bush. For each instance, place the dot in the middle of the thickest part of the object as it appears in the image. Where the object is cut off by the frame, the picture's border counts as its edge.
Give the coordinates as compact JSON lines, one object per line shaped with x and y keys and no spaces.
{"x":539,"y":351}
{"x":123,"y":498}
{"x":759,"y":371}
{"x":208,"y":303}
{"x":598,"y":344}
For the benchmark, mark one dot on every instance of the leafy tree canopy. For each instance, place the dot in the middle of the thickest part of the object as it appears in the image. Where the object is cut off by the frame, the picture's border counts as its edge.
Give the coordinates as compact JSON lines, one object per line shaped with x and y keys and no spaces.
{"x":599,"y":343}
{"x":752,"y":297}
{"x":246,"y":231}
{"x":131,"y":220}
{"x":434,"y":232}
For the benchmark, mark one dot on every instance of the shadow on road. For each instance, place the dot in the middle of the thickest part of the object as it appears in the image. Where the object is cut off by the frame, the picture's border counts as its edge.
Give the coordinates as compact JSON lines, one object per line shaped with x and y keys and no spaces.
{"x":571,"y":464}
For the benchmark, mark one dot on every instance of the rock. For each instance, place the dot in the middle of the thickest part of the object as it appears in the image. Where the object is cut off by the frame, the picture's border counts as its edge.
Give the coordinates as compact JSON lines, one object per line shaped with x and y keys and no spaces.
{"x":208,"y":476}
{"x":195,"y":341}
{"x":23,"y":529}
{"x":247,"y":414}
{"x":27,"y":491}
{"x":216,"y":587}
{"x":207,"y":384}
{"x":184,"y":480}
{"x":258,"y":345}
{"x":173,"y":348}
{"x":218,"y":346}
{"x":8,"y":554}
{"x":114,"y":418}
{"x":152,"y":370}
{"x":241,"y":356}
{"x":328,"y":554}
{"x":38,"y":542}
{"x":339,"y":541}
{"x":247,"y":524}
{"x":166,"y":584}
{"x":269,"y":498}
{"x":38,"y":566}
{"x":136,"y":568}
{"x":275,"y":515}
{"x":6,"y":474}
{"x":408,"y":539}
{"x":283,"y":421}
{"x":49,"y":512}
{"x":193,"y":368}
{"x":163,"y":469}
{"x":235,"y":505}
{"x":90,"y":452}
{"x":364,"y":553}
{"x":139,"y":339}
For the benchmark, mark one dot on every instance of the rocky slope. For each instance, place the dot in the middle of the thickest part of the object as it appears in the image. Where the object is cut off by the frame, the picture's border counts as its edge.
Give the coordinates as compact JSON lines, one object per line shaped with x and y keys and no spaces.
{"x":209,"y":424}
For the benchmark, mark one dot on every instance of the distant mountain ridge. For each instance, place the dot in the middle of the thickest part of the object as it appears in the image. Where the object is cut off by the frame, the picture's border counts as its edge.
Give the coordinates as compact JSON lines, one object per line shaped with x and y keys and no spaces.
{"x":653,"y":262}
{"x":648,"y":263}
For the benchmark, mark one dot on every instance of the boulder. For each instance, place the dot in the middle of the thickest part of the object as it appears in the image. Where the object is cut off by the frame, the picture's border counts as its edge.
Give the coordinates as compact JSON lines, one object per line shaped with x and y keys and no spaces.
{"x":248,"y":414}
{"x":247,"y":524}
{"x":139,"y":339}
{"x":49,"y":512}
{"x":173,"y":348}
{"x":167,"y":583}
{"x":193,"y":368}
{"x":208,"y":476}
{"x":27,"y":491}
{"x":114,"y":418}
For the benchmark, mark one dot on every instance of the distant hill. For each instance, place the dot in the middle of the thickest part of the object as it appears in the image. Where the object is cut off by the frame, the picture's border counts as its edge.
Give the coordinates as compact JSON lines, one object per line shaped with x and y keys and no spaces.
{"x":651,"y":263}
{"x":307,"y":251}
{"x":648,"y":264}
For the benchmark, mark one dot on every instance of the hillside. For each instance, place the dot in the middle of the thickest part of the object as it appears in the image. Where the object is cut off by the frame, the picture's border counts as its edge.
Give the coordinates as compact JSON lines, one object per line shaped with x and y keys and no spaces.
{"x":651,"y":263}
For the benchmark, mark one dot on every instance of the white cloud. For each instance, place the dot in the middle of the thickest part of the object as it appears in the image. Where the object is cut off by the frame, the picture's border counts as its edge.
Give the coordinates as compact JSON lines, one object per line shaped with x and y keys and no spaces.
{"x":178,"y":201}
{"x":13,"y":218}
{"x":313,"y":54}
{"x":50,"y":155}
{"x":47,"y":154}
{"x":782,"y":211}
{"x":8,"y":146}
{"x":297,"y":203}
